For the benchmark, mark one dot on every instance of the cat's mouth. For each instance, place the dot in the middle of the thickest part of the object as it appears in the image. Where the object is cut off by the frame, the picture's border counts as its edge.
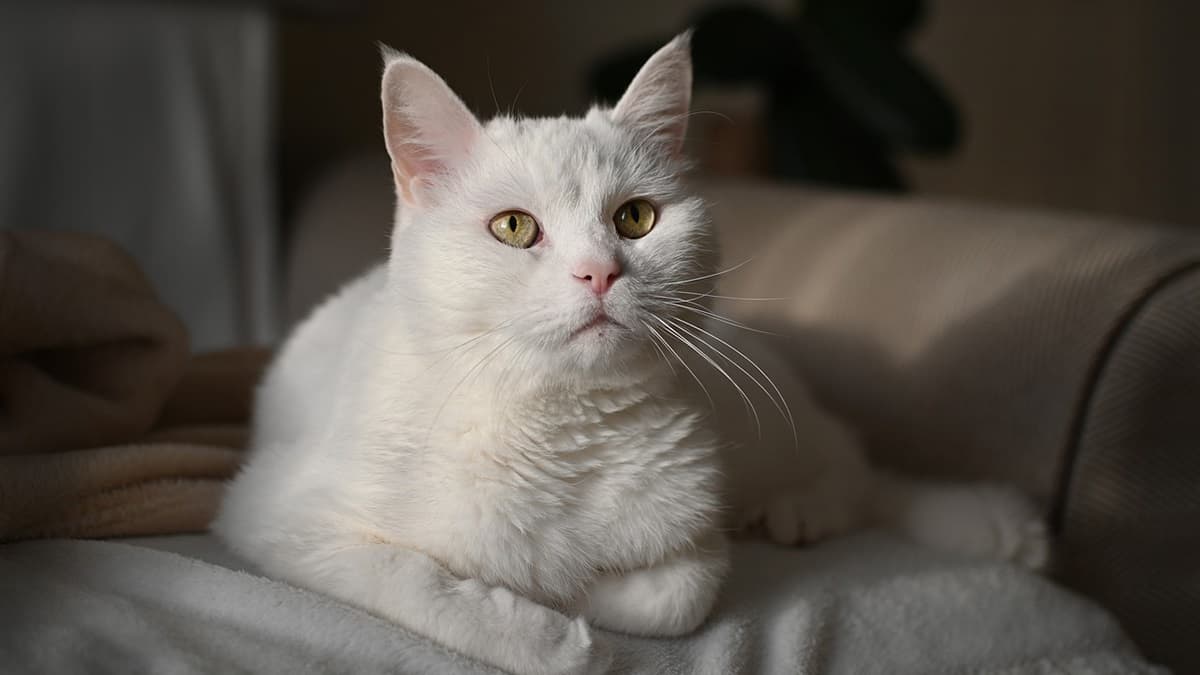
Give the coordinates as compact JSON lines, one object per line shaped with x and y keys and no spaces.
{"x":597,"y":323}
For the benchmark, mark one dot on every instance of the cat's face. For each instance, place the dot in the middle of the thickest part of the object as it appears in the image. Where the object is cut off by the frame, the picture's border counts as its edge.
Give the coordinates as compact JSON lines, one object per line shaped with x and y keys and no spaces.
{"x":564,"y":240}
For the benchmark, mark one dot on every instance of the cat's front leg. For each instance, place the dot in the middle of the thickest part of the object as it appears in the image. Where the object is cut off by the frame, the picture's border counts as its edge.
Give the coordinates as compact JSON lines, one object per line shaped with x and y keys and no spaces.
{"x":671,"y":598}
{"x":488,"y":623}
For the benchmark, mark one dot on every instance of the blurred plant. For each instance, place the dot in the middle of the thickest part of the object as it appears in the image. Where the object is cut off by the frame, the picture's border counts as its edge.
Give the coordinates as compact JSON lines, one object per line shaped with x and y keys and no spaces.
{"x":843,"y":97}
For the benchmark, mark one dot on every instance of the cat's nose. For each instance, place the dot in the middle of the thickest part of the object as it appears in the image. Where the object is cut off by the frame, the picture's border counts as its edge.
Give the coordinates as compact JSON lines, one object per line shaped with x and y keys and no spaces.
{"x":599,"y":274}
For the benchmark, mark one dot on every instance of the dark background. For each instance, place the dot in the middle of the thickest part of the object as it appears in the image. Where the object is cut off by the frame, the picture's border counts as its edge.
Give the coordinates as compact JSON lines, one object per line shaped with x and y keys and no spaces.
{"x":1088,"y":105}
{"x":192,"y":132}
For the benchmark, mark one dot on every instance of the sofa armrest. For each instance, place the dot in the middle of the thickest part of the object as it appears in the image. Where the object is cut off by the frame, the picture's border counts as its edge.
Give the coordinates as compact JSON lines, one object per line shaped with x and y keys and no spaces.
{"x":1129,"y":510}
{"x":1057,"y":352}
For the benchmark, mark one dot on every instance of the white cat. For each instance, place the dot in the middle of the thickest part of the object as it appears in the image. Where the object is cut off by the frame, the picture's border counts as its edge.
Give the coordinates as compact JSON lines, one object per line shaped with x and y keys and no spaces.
{"x":498,"y":430}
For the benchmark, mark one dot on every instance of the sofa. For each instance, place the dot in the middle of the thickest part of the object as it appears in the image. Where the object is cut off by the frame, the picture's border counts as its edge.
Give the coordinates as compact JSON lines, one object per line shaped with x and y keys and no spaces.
{"x":1052,"y":351}
{"x":1059,"y":352}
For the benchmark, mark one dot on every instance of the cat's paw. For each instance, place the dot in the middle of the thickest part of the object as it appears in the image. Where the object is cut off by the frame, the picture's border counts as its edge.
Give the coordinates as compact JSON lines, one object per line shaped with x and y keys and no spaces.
{"x":598,"y":655}
{"x":535,"y":639}
{"x":800,"y":518}
{"x":669,"y":599}
{"x":982,"y":521}
{"x":1020,"y":532}
{"x":579,"y":652}
{"x":1034,"y":547}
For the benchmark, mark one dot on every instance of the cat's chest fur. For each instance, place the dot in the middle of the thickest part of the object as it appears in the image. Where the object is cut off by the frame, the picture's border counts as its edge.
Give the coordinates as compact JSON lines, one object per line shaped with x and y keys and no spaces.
{"x":535,"y":488}
{"x":541,"y":492}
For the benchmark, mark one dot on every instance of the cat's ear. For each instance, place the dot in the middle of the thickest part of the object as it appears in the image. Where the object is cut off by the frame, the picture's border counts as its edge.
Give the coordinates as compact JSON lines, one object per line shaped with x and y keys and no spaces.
{"x":428,"y":129}
{"x":656,"y":102}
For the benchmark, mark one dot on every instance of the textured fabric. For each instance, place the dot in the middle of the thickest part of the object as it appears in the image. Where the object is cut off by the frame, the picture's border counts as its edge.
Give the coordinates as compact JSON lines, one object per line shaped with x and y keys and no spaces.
{"x":1131,"y":522}
{"x":88,"y":352}
{"x":167,"y":480}
{"x":106,"y":427}
{"x":865,"y":605}
{"x":126,"y":490}
{"x":216,"y":390}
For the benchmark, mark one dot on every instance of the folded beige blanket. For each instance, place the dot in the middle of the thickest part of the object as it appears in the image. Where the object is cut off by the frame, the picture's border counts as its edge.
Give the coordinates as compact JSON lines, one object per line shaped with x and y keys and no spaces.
{"x":107,"y":428}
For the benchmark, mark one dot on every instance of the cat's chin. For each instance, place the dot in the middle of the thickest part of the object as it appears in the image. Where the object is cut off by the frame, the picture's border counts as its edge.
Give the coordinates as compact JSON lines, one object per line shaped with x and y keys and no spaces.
{"x":606,"y":346}
{"x":601,"y":332}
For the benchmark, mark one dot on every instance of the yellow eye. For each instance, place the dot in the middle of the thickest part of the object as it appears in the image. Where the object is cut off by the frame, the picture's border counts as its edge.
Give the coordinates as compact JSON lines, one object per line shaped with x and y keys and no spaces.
{"x":635,"y":218}
{"x":515,"y":228}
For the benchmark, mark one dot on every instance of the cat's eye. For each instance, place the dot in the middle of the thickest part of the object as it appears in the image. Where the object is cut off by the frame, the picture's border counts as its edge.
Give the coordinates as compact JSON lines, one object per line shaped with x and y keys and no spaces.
{"x":635,"y":218}
{"x":515,"y":228}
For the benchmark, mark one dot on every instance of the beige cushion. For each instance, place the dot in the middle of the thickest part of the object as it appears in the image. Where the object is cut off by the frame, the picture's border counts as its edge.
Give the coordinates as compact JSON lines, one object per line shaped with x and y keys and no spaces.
{"x":960,"y":340}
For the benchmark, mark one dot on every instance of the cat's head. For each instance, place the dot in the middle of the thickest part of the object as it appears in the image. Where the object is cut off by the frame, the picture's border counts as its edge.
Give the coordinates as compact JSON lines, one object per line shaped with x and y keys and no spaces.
{"x":563,"y":239}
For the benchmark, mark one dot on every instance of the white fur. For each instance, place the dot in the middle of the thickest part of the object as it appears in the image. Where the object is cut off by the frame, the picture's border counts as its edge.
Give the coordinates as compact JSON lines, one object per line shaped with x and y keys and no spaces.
{"x":437,"y":445}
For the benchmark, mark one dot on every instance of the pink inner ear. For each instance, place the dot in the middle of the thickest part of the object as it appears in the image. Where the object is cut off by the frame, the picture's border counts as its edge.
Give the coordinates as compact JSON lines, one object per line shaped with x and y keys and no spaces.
{"x":428,"y":129}
{"x":657,"y":101}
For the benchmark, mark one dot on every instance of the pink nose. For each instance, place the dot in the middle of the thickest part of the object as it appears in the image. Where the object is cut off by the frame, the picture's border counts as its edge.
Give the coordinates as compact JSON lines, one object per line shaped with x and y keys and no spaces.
{"x":600,"y":275}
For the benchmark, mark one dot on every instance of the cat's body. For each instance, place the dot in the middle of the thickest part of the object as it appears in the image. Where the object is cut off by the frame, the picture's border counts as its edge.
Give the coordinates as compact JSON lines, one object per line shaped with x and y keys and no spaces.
{"x":499,"y":431}
{"x":510,"y":481}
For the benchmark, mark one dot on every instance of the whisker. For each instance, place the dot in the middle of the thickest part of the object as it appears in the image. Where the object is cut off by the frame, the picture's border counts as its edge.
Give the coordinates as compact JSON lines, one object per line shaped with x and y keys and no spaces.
{"x":731,"y":297}
{"x":649,"y":136}
{"x":500,"y":326}
{"x":447,"y":352}
{"x":512,"y":108}
{"x":718,"y":317}
{"x":491,"y":86}
{"x":479,"y":337}
{"x":683,"y":363}
{"x":473,"y":369}
{"x":745,"y":398}
{"x":504,"y":152}
{"x":654,"y":343}
{"x":781,"y":405}
{"x":696,"y":296}
{"x":496,"y":102}
{"x":714,"y":274}
{"x":714,"y":113}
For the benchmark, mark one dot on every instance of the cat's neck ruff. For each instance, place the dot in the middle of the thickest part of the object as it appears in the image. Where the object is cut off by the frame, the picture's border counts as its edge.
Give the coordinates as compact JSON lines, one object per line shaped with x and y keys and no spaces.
{"x":483,"y":368}
{"x":473,"y":407}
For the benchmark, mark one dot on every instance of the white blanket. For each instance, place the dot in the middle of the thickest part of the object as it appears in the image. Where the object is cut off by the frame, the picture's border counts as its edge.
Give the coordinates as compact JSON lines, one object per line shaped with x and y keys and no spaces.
{"x":862,"y":605}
